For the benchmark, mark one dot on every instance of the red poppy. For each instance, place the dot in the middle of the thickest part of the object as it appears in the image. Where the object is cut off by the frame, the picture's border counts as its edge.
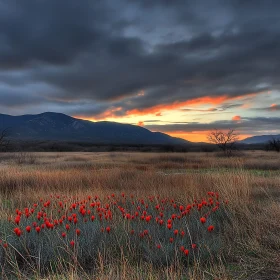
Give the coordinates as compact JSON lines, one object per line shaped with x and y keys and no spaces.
{"x":182,"y":248}
{"x":28,"y":228}
{"x":78,"y":232}
{"x":176,"y":232}
{"x":193,"y":246}
{"x":38,"y":229}
{"x":17,"y":231}
{"x":108,"y":229}
{"x":203,"y":220}
{"x":210,"y":228}
{"x":148,"y":218}
{"x":17,"y":219}
{"x":72,"y":243}
{"x":63,"y":234}
{"x":158,"y":246}
{"x":186,"y":252}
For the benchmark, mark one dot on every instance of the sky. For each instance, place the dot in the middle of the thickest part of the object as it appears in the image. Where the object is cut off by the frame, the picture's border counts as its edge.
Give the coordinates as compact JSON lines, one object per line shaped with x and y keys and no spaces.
{"x":181,"y":67}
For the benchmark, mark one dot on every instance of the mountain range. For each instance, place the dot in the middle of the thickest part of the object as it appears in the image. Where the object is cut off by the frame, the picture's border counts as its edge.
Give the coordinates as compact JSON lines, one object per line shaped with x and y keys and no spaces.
{"x":60,"y":127}
{"x":259,"y":139}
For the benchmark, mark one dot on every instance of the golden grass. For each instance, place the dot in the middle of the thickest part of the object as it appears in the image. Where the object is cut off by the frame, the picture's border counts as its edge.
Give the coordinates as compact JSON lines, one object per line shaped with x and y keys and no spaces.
{"x":251,"y":182}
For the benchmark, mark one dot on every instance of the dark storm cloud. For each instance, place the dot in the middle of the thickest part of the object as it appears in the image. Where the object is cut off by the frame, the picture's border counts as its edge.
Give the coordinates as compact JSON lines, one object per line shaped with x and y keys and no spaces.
{"x":106,"y":52}
{"x":245,"y":125}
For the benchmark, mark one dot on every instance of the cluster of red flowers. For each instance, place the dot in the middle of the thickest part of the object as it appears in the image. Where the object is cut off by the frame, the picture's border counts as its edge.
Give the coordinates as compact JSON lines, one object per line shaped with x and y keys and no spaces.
{"x":64,"y":215}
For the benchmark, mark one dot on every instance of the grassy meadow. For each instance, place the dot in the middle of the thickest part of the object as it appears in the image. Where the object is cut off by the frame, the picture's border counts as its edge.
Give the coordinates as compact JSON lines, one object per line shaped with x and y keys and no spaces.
{"x":239,"y":196}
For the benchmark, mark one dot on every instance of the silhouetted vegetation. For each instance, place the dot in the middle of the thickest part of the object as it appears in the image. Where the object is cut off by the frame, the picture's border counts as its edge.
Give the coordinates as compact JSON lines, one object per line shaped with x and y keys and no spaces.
{"x":63,"y":146}
{"x":4,"y":140}
{"x":226,"y":141}
{"x":274,"y":145}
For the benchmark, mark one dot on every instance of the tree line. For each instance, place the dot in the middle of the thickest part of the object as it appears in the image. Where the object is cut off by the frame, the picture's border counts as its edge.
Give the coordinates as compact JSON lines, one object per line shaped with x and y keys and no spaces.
{"x":226,"y":141}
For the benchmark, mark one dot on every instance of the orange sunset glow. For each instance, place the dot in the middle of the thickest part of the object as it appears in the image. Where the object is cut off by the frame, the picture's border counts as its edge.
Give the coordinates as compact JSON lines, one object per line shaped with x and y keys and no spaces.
{"x":206,"y":110}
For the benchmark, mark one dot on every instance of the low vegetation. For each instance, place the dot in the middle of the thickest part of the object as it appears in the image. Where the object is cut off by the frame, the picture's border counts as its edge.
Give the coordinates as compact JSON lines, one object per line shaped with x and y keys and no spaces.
{"x":139,"y":216}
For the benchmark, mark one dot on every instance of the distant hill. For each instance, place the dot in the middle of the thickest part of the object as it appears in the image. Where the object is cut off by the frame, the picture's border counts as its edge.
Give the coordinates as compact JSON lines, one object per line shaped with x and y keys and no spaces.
{"x":60,"y":127}
{"x":259,"y":139}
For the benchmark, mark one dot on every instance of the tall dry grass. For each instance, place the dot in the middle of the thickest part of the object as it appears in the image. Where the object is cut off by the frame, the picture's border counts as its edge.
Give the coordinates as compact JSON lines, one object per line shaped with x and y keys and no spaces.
{"x":251,"y":182}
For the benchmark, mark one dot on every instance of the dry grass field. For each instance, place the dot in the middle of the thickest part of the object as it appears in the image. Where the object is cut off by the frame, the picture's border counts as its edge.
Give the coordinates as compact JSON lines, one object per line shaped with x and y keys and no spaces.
{"x":248,"y":236}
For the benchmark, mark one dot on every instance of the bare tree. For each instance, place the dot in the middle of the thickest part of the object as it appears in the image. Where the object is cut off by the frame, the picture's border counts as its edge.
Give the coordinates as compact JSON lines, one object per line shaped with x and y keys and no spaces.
{"x":4,"y":140}
{"x":274,"y":144}
{"x":224,"y":140}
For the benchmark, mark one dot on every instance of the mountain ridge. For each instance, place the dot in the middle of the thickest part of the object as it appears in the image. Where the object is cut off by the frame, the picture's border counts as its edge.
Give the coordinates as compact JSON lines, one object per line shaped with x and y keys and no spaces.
{"x":61,"y":127}
{"x":259,"y":139}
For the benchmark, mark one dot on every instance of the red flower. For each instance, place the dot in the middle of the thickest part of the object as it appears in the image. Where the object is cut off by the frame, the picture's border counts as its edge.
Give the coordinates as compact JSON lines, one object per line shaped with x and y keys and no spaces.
{"x":176,"y":232}
{"x":210,"y":228}
{"x":63,"y":234}
{"x":38,"y":229}
{"x":203,"y":220}
{"x":17,"y":219}
{"x":193,"y":246}
{"x":72,"y":243}
{"x":171,"y":239}
{"x":108,"y":229}
{"x":148,"y":218}
{"x":158,"y":246}
{"x":28,"y":228}
{"x":169,"y":226}
{"x":5,"y":245}
{"x":182,"y":248}
{"x":78,"y":232}
{"x":17,"y":231}
{"x":67,"y":227}
{"x":182,"y":233}
{"x":186,"y":252}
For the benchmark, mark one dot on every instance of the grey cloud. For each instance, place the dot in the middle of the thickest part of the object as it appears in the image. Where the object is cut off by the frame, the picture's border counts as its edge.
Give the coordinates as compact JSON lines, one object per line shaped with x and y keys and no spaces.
{"x":246,"y":125}
{"x":106,"y":53}
{"x":272,"y":108}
